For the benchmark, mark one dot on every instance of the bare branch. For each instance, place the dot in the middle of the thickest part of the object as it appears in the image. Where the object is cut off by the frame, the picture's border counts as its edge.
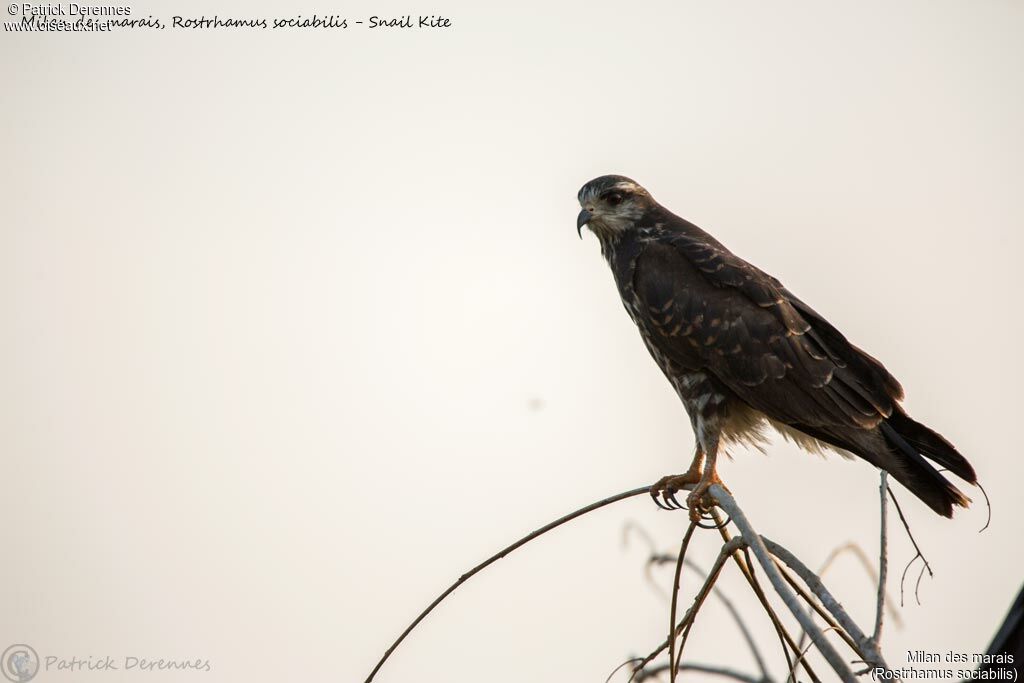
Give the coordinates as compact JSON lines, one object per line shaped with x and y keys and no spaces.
{"x":727,"y":549}
{"x":656,"y":671}
{"x":663,"y":558}
{"x":869,"y":569}
{"x":815,"y":606}
{"x":812,"y":581}
{"x":883,"y":558}
{"x":784,"y":637}
{"x":740,"y":623}
{"x":497,"y":556}
{"x":691,"y":615}
{"x":675,"y":600}
{"x":748,"y":541}
{"x":659,"y":558}
{"x":906,"y":526}
{"x":988,"y":506}
{"x":758,"y":547}
{"x":803,"y":653}
{"x":626,"y":663}
{"x":747,"y":567}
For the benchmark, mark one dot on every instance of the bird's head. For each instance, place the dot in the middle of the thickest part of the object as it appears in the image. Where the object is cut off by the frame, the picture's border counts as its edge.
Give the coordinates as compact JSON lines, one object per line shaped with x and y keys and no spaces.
{"x":611,"y":204}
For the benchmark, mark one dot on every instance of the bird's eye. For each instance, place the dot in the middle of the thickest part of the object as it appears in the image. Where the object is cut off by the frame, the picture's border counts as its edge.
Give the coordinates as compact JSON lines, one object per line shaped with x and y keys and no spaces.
{"x":613,"y":198}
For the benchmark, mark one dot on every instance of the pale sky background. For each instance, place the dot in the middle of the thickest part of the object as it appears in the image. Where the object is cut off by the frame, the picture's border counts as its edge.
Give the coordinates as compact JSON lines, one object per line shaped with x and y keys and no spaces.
{"x":297,"y":328}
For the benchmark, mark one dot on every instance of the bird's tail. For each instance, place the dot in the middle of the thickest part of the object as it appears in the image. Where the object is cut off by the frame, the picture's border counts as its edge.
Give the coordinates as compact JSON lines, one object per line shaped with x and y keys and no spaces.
{"x":910,"y":443}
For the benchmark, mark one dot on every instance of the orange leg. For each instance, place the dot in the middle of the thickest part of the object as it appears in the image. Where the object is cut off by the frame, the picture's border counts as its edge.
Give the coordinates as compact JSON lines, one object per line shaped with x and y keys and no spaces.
{"x":696,"y":479}
{"x":699,"y":500}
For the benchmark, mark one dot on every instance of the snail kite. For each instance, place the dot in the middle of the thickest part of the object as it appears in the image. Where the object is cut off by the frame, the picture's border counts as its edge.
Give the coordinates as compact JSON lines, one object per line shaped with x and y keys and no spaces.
{"x":743,"y":353}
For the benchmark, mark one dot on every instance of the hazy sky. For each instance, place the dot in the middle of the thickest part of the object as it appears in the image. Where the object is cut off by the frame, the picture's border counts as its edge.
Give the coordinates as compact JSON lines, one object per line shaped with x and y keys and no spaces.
{"x":297,"y":328}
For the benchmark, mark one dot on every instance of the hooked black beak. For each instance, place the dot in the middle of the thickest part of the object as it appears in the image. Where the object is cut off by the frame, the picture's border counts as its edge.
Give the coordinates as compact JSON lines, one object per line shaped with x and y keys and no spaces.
{"x":582,"y":220}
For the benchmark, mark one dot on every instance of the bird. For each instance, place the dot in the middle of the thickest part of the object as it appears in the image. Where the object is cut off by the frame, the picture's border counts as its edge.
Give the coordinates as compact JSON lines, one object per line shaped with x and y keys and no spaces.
{"x":745,"y":355}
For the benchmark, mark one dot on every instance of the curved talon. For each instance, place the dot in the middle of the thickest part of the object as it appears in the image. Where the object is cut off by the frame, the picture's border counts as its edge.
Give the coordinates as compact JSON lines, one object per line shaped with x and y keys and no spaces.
{"x":700,"y":499}
{"x":654,"y":497}
{"x":663,"y":493}
{"x":672,"y":496}
{"x":716,"y":526}
{"x":693,"y":501}
{"x":697,"y":503}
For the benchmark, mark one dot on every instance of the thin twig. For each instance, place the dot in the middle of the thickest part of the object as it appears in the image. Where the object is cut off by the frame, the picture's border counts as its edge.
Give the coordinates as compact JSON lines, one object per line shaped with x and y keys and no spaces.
{"x":748,"y":637}
{"x":497,"y":556}
{"x":883,"y":559}
{"x":740,"y":623}
{"x":785,"y":640}
{"x":871,"y":654}
{"x":988,"y":505}
{"x":815,"y":606}
{"x":890,"y":612}
{"x":917,"y":584}
{"x":665,"y":558}
{"x":642,"y":662}
{"x":803,"y":653}
{"x":701,"y":668}
{"x":758,"y":547}
{"x":727,"y":549}
{"x":747,"y":568}
{"x":716,"y":569}
{"x":917,"y":548}
{"x":869,"y":569}
{"x":675,"y":599}
{"x":626,"y":663}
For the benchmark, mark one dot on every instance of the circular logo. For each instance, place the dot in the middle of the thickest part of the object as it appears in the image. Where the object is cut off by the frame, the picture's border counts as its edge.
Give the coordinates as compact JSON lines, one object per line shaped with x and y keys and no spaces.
{"x":19,"y":663}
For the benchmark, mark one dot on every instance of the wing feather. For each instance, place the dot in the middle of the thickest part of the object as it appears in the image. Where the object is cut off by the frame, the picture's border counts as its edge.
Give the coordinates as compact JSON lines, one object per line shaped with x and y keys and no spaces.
{"x":709,"y":309}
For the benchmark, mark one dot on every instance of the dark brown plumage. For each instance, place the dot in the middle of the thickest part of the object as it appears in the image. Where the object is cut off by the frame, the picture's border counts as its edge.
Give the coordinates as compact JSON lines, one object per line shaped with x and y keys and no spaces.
{"x":743,"y":352}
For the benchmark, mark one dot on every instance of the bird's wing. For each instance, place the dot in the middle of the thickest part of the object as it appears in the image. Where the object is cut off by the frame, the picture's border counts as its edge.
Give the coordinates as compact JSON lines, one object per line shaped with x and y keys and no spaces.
{"x":702,"y":304}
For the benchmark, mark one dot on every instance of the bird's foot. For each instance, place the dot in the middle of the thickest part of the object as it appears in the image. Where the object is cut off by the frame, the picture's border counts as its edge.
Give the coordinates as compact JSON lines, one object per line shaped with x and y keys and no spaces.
{"x":663,"y":492}
{"x":700,"y":501}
